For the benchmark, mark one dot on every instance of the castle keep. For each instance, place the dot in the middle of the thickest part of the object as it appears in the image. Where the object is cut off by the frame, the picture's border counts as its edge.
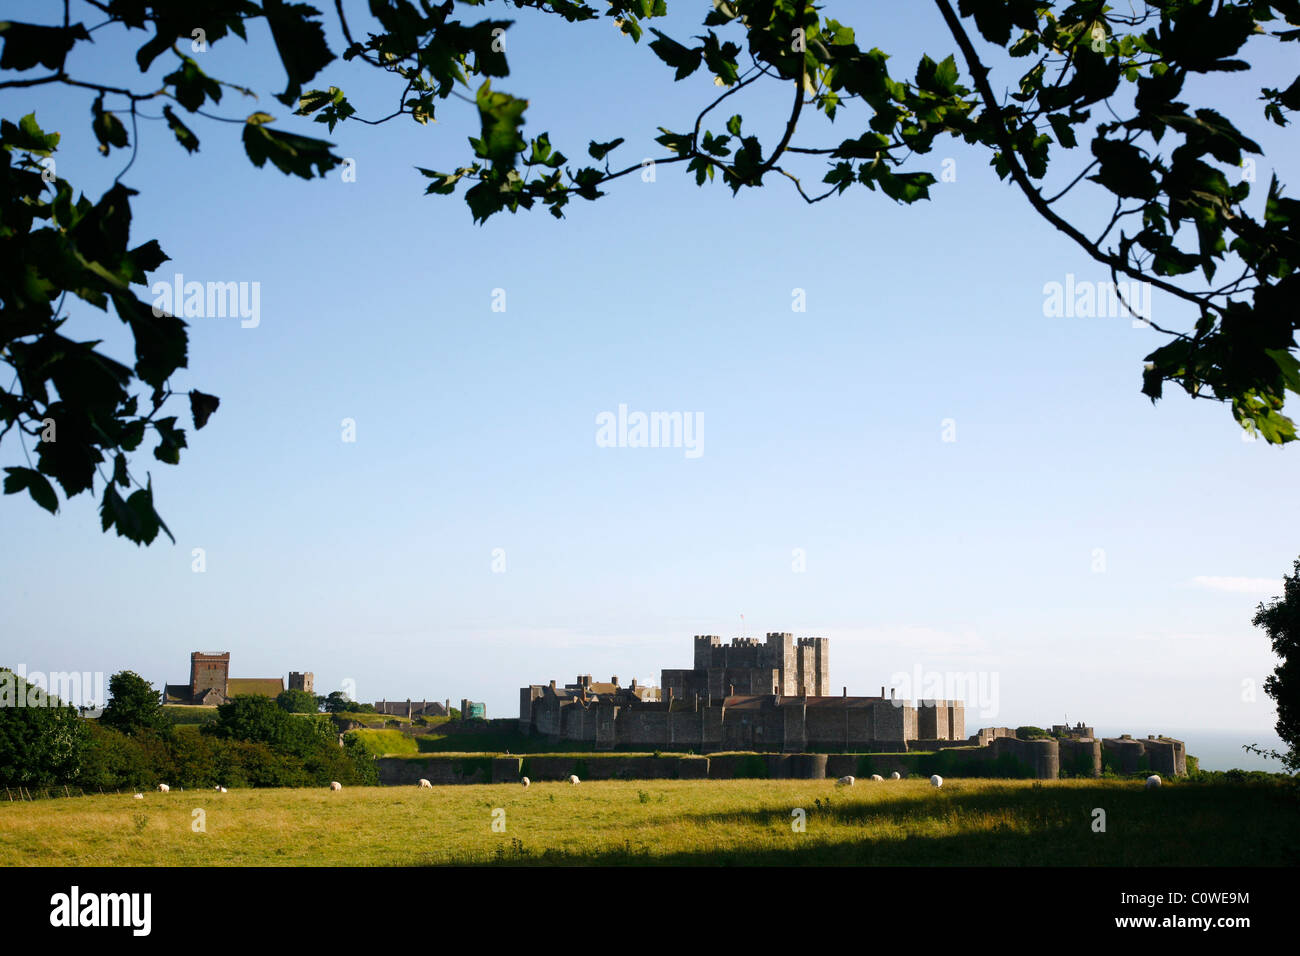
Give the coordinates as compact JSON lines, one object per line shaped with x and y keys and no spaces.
{"x":779,"y":665}
{"x":772,"y":695}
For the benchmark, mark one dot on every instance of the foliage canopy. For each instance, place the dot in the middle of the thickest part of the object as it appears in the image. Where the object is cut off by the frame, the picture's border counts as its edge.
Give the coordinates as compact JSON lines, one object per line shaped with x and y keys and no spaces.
{"x":1093,"y":89}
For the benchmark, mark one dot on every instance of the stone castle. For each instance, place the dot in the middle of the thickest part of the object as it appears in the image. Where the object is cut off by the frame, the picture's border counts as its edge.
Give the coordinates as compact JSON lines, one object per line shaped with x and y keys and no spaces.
{"x":771,"y":695}
{"x":211,"y":683}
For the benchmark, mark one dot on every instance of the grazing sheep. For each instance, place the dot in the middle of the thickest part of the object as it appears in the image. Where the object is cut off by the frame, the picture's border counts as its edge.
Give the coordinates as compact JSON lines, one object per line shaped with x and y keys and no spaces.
{"x":526,"y":782}
{"x":1153,"y":781}
{"x":217,"y":788}
{"x":573,"y":779}
{"x":163,"y":788}
{"x":139,"y":796}
{"x":223,"y":789}
{"x":335,"y":785}
{"x":936,"y":781}
{"x":425,"y":785}
{"x":876,"y":776}
{"x":895,"y":776}
{"x":844,"y":782}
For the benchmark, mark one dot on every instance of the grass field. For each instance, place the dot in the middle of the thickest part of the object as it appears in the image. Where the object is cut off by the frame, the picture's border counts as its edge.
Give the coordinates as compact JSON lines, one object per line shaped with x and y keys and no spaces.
{"x":907,"y":822}
{"x":382,"y":743}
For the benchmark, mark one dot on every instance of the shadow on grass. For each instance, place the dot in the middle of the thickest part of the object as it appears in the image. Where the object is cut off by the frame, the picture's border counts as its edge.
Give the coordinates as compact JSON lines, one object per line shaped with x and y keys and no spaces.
{"x":1182,"y":825}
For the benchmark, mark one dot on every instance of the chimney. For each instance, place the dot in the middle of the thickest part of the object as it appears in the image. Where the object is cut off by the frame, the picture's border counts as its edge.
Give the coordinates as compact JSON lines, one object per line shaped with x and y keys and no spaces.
{"x":846,"y":690}
{"x":552,"y":686}
{"x":882,"y":690}
{"x":614,"y":680}
{"x":891,"y":693}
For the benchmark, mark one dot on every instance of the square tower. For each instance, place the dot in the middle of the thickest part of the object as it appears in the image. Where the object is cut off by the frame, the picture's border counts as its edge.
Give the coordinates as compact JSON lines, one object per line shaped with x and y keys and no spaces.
{"x":209,"y":671}
{"x":304,"y":682}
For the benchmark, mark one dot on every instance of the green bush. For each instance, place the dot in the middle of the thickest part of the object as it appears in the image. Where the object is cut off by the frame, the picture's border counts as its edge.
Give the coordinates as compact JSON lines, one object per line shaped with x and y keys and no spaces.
{"x":752,"y":766}
{"x":298,"y":701}
{"x":42,"y":740}
{"x":1029,"y":732}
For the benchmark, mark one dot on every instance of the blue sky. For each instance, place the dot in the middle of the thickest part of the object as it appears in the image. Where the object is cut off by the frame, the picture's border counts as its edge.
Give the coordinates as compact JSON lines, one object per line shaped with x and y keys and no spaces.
{"x":371,"y":561}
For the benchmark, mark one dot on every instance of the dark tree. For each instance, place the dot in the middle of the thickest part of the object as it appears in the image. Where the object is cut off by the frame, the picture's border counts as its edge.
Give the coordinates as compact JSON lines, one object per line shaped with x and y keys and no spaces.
{"x":254,"y":718}
{"x":298,"y":702}
{"x":133,"y":705}
{"x":1280,"y":620}
{"x":340,"y":703}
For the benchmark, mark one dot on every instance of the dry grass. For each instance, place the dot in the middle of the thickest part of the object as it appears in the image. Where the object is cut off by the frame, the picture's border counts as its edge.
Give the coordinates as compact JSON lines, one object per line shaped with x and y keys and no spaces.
{"x":906,"y":822}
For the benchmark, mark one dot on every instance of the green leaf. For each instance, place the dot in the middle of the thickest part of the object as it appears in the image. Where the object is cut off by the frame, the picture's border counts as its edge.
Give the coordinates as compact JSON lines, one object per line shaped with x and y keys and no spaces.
{"x":183,"y":134}
{"x":28,"y":136}
{"x":290,"y":153}
{"x":601,"y":150}
{"x":1125,"y":171}
{"x":500,"y":116}
{"x":108,"y":129}
{"x":27,"y":45}
{"x":160,"y":340}
{"x":1288,"y":365}
{"x":134,"y":518}
{"x":170,"y":441}
{"x":34,"y":483}
{"x":304,"y":51}
{"x":683,"y":59}
{"x":313,"y":100}
{"x":193,"y":86}
{"x":1064,"y":131}
{"x":991,"y":17}
{"x":679,"y":143}
{"x":202,"y":406}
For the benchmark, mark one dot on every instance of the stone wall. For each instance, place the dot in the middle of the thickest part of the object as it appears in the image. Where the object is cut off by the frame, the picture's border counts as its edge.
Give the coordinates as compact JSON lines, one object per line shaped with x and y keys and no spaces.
{"x":1080,"y":757}
{"x":1003,"y":757}
{"x":767,"y":766}
{"x":442,"y":769}
{"x":1144,"y":755}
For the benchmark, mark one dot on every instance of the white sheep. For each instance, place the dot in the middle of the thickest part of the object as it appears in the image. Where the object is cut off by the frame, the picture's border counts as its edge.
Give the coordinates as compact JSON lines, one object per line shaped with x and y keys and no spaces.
{"x":526,"y":782}
{"x":844,"y":782}
{"x":163,"y":788}
{"x":425,"y":785}
{"x":139,"y":796}
{"x":1153,"y":781}
{"x":895,"y":776}
{"x":936,"y":781}
{"x":876,"y":776}
{"x":223,"y":789}
{"x":573,"y":779}
{"x":335,"y":785}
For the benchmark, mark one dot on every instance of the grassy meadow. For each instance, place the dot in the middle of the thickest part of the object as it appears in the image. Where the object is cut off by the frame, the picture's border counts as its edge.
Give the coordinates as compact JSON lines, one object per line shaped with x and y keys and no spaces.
{"x":704,"y":822}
